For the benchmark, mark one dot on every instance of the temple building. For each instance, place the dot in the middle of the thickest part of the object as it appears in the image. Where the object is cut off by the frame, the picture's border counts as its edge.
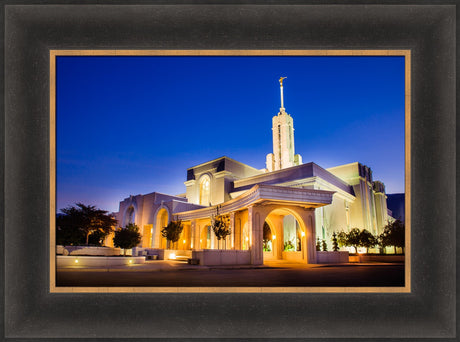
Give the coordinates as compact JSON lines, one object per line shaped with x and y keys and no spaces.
{"x":274,"y":213}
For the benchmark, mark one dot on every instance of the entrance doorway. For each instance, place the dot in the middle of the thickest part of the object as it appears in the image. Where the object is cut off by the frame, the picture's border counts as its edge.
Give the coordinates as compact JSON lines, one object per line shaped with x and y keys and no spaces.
{"x":284,"y":236}
{"x":268,"y":242}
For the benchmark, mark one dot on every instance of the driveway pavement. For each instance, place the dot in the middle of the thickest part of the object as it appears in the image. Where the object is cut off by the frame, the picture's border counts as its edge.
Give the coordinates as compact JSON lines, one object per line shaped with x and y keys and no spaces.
{"x":272,"y":273}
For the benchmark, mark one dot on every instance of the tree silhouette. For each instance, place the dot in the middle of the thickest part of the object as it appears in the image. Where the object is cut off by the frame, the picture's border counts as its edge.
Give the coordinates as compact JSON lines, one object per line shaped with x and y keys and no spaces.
{"x":172,"y":232}
{"x":221,"y":228}
{"x":77,"y":223}
{"x":356,"y":238}
{"x":127,"y":237}
{"x":393,"y":235}
{"x":367,"y":239}
{"x":335,"y":246}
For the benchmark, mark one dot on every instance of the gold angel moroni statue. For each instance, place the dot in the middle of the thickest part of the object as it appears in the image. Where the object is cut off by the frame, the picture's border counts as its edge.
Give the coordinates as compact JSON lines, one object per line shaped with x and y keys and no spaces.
{"x":281,"y":80}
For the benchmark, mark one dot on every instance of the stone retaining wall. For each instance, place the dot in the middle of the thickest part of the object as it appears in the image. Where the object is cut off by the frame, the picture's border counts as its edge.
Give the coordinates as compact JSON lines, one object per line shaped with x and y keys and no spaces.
{"x":213,"y":257}
{"x":376,"y":258}
{"x":97,"y":261}
{"x":90,"y":250}
{"x":331,"y":257}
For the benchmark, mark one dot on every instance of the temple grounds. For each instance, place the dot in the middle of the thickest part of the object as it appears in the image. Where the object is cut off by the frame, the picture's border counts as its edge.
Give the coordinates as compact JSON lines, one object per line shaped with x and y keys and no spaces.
{"x":271,"y":274}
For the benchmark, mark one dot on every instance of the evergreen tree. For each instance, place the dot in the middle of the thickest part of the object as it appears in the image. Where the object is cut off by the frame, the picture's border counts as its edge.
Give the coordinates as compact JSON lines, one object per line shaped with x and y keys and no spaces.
{"x":335,"y":246}
{"x":318,"y":244}
{"x":342,"y":239}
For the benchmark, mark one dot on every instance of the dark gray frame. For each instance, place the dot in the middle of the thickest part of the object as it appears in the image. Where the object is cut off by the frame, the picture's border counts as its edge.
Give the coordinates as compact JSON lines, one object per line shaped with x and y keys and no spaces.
{"x":31,"y":312}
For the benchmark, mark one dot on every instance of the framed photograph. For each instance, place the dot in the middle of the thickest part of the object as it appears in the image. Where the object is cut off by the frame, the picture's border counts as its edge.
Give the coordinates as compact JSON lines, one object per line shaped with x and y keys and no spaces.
{"x":278,"y":213}
{"x":44,"y":44}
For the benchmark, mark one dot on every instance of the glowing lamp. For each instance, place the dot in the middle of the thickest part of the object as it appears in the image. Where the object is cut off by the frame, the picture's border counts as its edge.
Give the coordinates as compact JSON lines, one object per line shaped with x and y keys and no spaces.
{"x":130,"y":261}
{"x":303,"y":234}
{"x":183,"y":241}
{"x":172,"y":256}
{"x":274,"y":237}
{"x":76,"y":261}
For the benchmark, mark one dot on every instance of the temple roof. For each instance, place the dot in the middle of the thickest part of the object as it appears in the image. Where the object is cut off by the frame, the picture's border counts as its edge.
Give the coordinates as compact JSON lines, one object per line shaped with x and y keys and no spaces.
{"x":292,"y":174}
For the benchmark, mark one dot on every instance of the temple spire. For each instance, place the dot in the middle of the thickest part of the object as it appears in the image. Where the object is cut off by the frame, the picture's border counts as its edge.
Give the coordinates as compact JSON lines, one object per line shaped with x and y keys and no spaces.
{"x":282,"y":96}
{"x":283,"y":155}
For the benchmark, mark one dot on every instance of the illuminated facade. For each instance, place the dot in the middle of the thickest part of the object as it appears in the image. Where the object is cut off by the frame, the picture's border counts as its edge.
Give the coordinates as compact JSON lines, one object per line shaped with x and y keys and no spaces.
{"x":274,"y":213}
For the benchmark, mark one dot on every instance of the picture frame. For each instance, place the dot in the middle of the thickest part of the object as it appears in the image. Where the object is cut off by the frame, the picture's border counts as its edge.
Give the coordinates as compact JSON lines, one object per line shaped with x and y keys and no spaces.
{"x":31,"y":311}
{"x":404,"y":55}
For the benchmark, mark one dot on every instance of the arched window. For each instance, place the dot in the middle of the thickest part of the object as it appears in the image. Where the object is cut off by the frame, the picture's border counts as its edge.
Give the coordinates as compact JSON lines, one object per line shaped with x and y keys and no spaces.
{"x":130,"y":215}
{"x":161,"y":222}
{"x":205,"y":190}
{"x":267,"y":238}
{"x":347,"y":214}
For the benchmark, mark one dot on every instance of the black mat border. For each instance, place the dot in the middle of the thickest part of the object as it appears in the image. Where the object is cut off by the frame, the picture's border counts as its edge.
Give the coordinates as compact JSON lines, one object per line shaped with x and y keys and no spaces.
{"x":32,"y":313}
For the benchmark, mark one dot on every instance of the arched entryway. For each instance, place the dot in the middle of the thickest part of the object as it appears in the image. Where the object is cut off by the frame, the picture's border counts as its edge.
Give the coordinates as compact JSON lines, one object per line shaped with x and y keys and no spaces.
{"x":269,"y":238}
{"x":161,"y":222}
{"x":206,"y":237}
{"x":288,"y":235}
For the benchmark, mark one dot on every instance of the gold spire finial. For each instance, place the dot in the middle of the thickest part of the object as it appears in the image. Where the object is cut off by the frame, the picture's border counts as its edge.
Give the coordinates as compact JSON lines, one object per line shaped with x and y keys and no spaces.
{"x":281,"y":80}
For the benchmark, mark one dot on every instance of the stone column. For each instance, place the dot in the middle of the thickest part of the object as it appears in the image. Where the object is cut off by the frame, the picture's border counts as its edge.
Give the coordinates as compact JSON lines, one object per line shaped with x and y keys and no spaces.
{"x":213,"y":240}
{"x":152,"y":237}
{"x":194,"y":244}
{"x":232,"y":235}
{"x":199,"y":233}
{"x":255,"y":236}
{"x":310,"y":239}
{"x":156,"y":235}
{"x":237,"y":232}
{"x":279,"y":241}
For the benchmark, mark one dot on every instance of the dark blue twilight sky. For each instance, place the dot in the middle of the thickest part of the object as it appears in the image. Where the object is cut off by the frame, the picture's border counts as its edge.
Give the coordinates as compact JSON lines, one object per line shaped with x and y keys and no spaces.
{"x":133,"y":125}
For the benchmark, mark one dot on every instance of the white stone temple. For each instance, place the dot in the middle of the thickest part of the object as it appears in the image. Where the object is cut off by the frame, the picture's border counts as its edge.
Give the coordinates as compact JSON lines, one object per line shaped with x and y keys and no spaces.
{"x":296,"y":202}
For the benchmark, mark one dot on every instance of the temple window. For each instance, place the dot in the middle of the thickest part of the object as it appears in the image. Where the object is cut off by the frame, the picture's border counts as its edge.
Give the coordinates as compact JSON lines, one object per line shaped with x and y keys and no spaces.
{"x":205,"y":190}
{"x":130,"y":215}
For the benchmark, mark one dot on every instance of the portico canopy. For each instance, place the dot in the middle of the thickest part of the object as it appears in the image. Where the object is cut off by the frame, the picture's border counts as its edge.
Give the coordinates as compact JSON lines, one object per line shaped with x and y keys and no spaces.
{"x":263,"y":194}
